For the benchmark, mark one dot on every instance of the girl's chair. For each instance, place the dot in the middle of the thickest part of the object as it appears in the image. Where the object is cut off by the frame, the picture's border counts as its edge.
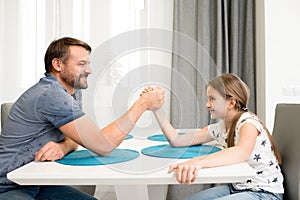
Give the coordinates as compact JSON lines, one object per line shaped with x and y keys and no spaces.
{"x":286,"y":132}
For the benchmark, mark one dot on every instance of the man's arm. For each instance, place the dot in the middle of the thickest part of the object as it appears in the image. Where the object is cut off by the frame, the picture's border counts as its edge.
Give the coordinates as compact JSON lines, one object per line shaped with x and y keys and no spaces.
{"x":85,"y":132}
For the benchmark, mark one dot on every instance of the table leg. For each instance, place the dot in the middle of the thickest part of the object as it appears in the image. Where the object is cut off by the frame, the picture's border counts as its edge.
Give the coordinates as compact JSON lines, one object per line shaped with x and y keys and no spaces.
{"x":158,"y":192}
{"x":138,"y":192}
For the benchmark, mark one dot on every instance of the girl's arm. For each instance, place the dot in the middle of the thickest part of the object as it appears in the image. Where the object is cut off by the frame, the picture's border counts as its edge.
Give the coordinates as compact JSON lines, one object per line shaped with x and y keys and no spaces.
{"x":187,"y":172}
{"x":176,"y":140}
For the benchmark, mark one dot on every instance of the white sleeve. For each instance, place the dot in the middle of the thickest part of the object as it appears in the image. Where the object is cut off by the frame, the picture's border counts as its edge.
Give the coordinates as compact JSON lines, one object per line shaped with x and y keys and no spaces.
{"x":252,"y":120}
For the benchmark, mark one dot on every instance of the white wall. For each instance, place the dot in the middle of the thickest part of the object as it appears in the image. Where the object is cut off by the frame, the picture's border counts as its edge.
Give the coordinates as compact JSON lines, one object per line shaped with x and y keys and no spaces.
{"x":282,"y":42}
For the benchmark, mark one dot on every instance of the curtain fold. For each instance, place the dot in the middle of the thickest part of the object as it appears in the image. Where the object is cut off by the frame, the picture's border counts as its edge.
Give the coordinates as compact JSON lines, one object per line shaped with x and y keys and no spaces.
{"x":225,"y":31}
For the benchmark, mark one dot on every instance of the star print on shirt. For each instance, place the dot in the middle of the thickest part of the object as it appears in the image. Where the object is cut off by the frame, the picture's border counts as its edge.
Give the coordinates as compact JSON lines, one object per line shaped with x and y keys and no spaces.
{"x":275,"y":180}
{"x":257,"y":157}
{"x":271,"y":163}
{"x":263,"y":143}
{"x":216,"y":135}
{"x":259,"y":172}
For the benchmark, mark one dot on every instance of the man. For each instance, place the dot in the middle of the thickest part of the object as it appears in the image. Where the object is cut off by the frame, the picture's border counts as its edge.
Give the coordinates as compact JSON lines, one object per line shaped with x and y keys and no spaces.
{"x":47,"y":121}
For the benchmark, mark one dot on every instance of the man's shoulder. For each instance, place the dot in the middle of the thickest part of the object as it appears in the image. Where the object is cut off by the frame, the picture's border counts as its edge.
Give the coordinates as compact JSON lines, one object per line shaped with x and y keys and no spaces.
{"x":44,"y":93}
{"x":50,"y":86}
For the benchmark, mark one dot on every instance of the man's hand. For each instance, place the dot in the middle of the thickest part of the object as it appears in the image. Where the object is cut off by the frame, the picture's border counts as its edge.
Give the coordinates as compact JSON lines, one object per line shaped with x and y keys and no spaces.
{"x":54,"y":151}
{"x":153,"y":97}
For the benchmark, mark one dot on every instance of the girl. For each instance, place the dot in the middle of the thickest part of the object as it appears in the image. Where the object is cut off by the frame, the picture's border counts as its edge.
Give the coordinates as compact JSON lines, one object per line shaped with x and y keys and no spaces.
{"x":244,"y":138}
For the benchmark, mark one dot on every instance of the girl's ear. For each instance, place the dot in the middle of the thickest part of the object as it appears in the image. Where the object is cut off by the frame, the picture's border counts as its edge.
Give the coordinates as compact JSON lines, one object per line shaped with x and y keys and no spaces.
{"x":56,"y":63}
{"x":232,"y":103}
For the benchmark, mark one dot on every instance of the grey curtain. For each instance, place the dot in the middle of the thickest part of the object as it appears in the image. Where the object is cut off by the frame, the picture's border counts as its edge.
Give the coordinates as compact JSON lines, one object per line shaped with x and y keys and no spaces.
{"x":225,"y":32}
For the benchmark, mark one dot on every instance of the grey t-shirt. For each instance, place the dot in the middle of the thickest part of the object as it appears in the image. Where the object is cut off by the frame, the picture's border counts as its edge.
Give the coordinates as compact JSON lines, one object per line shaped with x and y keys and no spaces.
{"x":33,"y":121}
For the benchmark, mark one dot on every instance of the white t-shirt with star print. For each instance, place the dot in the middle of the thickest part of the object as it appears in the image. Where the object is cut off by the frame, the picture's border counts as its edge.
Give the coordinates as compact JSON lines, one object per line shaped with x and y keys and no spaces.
{"x":268,"y":173}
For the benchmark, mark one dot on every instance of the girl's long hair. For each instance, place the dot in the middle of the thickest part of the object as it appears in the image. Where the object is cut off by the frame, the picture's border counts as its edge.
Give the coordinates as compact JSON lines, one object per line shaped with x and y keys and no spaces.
{"x":231,"y":86}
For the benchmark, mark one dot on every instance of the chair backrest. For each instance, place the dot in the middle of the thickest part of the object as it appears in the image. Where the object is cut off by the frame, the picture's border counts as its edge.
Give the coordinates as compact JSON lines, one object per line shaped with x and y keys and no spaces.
{"x":5,"y":108}
{"x":286,"y":133}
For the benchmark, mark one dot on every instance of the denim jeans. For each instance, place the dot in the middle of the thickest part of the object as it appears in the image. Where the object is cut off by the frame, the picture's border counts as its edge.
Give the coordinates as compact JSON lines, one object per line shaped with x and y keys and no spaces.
{"x":45,"y":193}
{"x":227,"y":192}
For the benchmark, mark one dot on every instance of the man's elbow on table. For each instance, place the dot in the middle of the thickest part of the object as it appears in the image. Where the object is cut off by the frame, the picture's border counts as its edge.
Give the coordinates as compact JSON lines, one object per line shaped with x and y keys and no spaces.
{"x":101,"y":148}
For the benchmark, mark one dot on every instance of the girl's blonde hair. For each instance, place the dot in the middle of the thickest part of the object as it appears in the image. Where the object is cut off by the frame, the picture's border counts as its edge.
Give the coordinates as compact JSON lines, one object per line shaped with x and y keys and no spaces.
{"x":231,"y":86}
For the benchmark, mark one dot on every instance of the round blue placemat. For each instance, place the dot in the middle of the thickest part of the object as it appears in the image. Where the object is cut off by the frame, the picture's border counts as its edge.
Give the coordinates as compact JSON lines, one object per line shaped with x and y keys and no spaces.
{"x":166,"y":151}
{"x":128,"y":137}
{"x":159,"y":137}
{"x":88,"y":158}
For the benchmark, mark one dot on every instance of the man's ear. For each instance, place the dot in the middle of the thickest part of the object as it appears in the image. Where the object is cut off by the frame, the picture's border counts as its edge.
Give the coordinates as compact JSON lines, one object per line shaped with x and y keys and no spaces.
{"x":56,"y":64}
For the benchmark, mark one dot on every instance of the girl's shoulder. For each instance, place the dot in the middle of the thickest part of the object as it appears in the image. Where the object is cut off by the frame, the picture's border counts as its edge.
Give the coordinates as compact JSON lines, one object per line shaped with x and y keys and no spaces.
{"x":249,"y":117}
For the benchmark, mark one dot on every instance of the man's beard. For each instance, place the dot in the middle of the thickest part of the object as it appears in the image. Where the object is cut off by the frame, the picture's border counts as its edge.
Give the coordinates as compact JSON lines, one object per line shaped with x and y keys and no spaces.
{"x":79,"y":83}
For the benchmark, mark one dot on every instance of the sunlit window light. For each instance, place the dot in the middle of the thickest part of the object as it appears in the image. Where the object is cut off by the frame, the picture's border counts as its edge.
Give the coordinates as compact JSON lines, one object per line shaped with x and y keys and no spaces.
{"x":27,"y":37}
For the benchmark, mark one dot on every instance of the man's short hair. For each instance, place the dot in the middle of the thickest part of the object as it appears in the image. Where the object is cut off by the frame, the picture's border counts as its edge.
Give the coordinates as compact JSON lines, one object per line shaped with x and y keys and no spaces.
{"x":60,"y":49}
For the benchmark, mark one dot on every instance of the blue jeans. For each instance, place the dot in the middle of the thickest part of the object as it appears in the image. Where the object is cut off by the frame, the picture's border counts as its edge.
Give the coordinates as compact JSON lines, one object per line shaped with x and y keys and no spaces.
{"x":45,"y":193}
{"x":227,"y":192}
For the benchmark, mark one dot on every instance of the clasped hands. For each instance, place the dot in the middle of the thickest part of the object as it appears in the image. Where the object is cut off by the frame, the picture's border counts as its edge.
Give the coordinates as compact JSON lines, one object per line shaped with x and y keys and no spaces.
{"x":153,"y":97}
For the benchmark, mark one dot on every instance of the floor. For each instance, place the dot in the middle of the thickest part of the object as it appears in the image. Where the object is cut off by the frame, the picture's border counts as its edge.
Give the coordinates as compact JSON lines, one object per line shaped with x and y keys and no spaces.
{"x":175,"y":192}
{"x":105,"y":192}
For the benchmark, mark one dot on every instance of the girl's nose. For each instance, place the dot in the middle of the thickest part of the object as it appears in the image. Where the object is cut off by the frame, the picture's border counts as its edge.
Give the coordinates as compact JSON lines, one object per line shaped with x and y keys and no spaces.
{"x":207,"y":105}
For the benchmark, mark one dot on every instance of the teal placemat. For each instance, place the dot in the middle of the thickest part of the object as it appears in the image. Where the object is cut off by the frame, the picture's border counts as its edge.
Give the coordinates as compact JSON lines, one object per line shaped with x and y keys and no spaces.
{"x":88,"y":158}
{"x":159,"y":137}
{"x":166,"y":151}
{"x":128,"y":137}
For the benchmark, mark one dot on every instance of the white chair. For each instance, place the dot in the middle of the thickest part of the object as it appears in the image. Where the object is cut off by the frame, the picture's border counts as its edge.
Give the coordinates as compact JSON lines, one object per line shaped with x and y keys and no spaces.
{"x":286,"y":133}
{"x":5,"y":108}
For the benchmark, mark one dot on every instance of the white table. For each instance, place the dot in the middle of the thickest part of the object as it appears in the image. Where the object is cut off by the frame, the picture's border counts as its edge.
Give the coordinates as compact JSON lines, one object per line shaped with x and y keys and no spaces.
{"x":142,"y":178}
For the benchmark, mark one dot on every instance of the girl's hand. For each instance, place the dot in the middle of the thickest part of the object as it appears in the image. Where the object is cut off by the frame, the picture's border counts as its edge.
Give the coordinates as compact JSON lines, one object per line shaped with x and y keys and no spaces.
{"x":186,"y":172}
